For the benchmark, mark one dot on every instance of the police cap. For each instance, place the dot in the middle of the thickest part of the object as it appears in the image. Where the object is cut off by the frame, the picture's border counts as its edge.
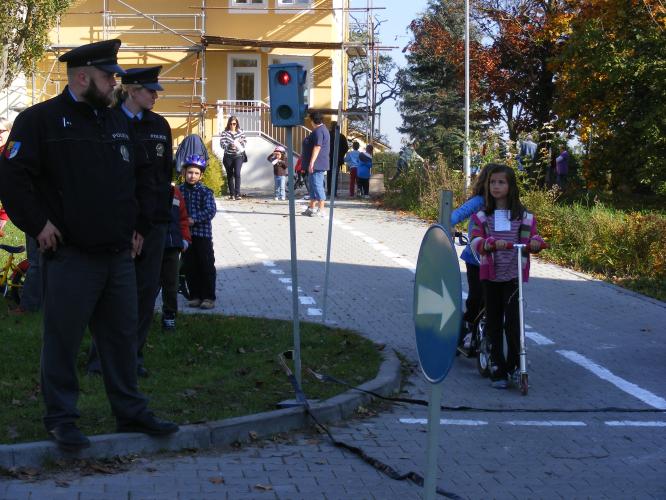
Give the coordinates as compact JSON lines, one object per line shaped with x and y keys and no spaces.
{"x":102,"y":55}
{"x":146,"y":77}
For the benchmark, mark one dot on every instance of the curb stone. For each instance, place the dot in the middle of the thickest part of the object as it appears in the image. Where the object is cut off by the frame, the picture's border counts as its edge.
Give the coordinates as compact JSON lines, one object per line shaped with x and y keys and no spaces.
{"x":212,"y":434}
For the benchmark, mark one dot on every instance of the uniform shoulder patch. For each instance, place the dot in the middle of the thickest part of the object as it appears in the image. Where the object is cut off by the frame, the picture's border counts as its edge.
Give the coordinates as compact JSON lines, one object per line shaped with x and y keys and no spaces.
{"x":12,"y":149}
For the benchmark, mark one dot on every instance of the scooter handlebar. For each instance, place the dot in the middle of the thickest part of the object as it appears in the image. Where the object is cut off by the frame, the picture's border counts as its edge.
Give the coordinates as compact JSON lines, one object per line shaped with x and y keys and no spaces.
{"x":510,"y":245}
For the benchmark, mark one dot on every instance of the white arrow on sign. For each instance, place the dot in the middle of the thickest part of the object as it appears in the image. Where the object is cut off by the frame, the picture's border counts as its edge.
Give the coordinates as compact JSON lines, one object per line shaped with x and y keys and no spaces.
{"x":430,"y":302}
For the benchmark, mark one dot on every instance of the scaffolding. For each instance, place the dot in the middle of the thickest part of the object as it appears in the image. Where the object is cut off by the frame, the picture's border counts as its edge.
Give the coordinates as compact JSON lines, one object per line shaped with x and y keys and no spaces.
{"x":187,"y":34}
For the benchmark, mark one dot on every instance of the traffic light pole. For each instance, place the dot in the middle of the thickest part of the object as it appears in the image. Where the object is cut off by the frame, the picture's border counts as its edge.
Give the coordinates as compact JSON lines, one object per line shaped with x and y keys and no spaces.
{"x":292,"y":240}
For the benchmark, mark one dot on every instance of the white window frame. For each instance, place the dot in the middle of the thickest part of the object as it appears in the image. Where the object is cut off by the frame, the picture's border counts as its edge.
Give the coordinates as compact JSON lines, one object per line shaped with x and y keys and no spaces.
{"x":293,"y":3}
{"x":231,"y":71}
{"x":248,"y":8}
{"x":307,"y":63}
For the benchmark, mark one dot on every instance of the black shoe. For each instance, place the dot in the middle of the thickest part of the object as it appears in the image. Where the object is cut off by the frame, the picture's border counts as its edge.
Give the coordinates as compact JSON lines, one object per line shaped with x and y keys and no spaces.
{"x":146,"y":423}
{"x":68,"y":437}
{"x":142,"y":371}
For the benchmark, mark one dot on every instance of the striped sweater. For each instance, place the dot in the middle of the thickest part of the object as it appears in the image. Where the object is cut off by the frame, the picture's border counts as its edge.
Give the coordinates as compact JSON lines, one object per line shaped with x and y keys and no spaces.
{"x":481,"y":234}
{"x":233,"y":143}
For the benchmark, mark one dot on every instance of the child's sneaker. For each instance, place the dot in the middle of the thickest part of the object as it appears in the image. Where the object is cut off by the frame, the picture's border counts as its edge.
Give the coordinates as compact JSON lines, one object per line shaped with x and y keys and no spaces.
{"x":308,"y":212}
{"x":207,"y":304}
{"x":168,"y":321}
{"x":194,"y":303}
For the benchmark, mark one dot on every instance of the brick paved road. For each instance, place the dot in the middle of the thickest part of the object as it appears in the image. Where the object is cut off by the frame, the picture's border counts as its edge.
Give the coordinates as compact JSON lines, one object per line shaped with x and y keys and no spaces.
{"x":595,"y":347}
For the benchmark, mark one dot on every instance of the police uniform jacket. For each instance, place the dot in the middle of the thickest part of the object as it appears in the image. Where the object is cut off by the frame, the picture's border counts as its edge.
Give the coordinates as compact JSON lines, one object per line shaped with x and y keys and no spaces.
{"x":80,"y":169}
{"x":154,"y":136}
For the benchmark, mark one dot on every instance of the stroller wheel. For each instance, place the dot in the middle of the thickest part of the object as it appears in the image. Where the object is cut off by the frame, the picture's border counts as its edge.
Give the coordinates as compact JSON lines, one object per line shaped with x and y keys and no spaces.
{"x":483,"y":359}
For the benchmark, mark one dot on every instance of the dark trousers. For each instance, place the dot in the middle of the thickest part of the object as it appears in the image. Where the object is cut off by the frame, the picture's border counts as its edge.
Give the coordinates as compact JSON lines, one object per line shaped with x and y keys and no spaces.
{"x":200,"y":268}
{"x":474,"y":301}
{"x":31,"y":296}
{"x":233,"y":164}
{"x":169,"y":280}
{"x":502,"y":319}
{"x":147,"y":267}
{"x":97,"y":291}
{"x":352,"y":181}
{"x":363,"y":185}
{"x":329,"y":181}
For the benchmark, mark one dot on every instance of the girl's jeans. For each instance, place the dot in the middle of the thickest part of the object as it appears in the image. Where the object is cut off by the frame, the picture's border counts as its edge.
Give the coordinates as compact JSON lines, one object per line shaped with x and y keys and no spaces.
{"x":280,"y":186}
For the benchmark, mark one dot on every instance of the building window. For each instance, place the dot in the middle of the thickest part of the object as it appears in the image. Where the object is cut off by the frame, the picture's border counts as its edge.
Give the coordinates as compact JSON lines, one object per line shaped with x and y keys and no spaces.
{"x":250,"y":5}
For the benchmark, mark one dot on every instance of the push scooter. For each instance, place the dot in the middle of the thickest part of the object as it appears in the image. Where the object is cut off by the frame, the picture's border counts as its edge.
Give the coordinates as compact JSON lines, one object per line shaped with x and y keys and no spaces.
{"x":522,"y":371}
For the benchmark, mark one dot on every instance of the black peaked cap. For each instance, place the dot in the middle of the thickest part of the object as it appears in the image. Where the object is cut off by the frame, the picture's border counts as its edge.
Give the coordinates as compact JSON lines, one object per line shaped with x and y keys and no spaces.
{"x":146,"y":77}
{"x":102,"y":55}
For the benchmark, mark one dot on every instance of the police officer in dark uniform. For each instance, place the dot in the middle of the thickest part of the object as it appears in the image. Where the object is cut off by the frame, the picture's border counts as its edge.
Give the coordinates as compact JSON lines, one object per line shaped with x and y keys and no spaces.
{"x":72,"y":178}
{"x":135,"y":98}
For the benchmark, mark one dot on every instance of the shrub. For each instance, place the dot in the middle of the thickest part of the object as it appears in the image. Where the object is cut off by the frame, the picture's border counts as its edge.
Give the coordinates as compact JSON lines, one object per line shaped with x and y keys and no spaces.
{"x":213,"y":177}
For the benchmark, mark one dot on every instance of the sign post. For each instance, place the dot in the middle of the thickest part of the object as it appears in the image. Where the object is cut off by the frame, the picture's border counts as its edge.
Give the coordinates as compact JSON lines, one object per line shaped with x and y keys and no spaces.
{"x":437,"y":319}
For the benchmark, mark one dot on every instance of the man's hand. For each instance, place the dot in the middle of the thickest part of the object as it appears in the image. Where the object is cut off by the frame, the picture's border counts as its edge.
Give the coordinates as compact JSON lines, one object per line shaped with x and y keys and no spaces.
{"x":49,"y":237}
{"x":311,"y":169}
{"x":137,"y":244}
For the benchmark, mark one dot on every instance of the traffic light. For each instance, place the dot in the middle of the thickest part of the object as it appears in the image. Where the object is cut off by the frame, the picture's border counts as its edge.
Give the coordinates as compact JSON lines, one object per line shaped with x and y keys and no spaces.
{"x":286,"y":85}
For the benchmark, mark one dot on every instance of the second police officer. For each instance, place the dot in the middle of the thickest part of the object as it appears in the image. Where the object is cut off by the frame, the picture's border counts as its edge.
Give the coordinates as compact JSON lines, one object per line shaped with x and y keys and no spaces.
{"x":135,"y":98}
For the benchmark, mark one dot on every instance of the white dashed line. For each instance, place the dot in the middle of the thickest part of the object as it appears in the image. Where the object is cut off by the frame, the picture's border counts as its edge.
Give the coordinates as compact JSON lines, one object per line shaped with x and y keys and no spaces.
{"x":634,"y":423}
{"x":546,"y":423}
{"x":603,"y":373}
{"x":538,"y":338}
{"x":278,"y":271}
{"x":314,"y":312}
{"x":306,"y":301}
{"x":444,"y":421}
{"x":268,"y":263}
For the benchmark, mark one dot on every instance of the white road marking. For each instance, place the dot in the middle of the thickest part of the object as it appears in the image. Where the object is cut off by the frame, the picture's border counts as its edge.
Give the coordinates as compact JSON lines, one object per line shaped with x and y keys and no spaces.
{"x":538,"y":338}
{"x":546,"y":423}
{"x":260,"y":255}
{"x":306,"y":301}
{"x":285,"y":280}
{"x":268,"y":263}
{"x":603,"y":373}
{"x":444,"y":421}
{"x":634,"y":423}
{"x":278,"y":271}
{"x":314,"y":312}
{"x":247,"y":243}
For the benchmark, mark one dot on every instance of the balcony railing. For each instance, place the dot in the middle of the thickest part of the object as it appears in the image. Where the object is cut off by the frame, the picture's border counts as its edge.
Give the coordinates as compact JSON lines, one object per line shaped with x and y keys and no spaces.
{"x":255,"y":117}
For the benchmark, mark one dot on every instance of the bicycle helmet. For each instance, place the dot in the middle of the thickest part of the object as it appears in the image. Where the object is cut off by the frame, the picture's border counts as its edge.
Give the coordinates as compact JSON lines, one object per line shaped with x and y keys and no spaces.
{"x":195,"y":160}
{"x":279,"y":149}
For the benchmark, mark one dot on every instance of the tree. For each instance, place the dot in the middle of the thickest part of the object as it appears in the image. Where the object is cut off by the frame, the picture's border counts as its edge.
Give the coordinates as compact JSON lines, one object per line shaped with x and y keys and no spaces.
{"x":360,"y":72}
{"x":432,"y":84}
{"x":611,"y":90}
{"x":24,"y":29}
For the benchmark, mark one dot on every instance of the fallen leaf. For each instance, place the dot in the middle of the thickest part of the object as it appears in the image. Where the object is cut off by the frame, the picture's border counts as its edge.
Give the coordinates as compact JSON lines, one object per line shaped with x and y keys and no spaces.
{"x":216,"y":480}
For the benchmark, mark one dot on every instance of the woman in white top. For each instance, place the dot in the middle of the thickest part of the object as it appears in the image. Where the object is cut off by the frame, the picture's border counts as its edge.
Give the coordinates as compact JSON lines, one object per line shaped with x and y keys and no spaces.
{"x":233,"y":143}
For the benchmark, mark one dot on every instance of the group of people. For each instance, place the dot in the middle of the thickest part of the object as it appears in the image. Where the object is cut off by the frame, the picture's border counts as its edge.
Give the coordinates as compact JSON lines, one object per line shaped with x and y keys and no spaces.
{"x":497,"y":219}
{"x":105,"y":250}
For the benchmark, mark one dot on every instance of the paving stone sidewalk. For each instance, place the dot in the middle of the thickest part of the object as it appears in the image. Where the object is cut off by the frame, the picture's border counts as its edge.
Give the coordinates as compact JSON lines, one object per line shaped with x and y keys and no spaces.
{"x":519,"y":450}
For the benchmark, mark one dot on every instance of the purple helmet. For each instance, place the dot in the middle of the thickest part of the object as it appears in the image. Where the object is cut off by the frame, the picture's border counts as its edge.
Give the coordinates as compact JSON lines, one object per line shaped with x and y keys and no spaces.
{"x":195,"y":160}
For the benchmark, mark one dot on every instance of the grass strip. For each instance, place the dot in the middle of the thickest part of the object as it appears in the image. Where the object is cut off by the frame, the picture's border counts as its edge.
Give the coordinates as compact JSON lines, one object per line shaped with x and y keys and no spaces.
{"x":212,"y":367}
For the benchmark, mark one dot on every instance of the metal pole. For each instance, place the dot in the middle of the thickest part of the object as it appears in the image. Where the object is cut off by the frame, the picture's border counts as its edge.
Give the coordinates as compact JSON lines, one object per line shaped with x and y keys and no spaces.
{"x":334,"y":172}
{"x":430,"y":485}
{"x":445,"y":209}
{"x":466,"y":165}
{"x":294,"y":260}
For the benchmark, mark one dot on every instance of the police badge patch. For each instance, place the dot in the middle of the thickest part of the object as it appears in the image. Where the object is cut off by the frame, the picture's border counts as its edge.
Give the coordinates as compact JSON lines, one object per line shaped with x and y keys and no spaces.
{"x":159,"y":149}
{"x":124,"y":152}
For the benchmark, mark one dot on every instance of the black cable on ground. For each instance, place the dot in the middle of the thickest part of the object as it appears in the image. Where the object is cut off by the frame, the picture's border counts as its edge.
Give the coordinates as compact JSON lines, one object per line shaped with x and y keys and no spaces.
{"x":377,"y":464}
{"x":322,"y":377}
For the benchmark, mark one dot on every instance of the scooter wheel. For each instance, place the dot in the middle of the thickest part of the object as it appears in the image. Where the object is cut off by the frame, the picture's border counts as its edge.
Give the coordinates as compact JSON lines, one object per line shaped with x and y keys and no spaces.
{"x":483,"y":359}
{"x":523,"y":384}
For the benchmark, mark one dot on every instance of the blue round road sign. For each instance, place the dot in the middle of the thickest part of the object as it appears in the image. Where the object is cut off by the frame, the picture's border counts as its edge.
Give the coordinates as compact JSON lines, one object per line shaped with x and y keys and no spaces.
{"x":437,"y":304}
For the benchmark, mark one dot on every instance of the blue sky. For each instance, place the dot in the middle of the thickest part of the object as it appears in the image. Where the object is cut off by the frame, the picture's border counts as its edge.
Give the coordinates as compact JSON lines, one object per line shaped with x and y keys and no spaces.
{"x":396,"y":15}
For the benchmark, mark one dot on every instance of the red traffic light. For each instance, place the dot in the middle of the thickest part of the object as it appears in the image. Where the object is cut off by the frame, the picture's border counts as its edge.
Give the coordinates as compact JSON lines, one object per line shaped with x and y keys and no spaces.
{"x":283,"y":77}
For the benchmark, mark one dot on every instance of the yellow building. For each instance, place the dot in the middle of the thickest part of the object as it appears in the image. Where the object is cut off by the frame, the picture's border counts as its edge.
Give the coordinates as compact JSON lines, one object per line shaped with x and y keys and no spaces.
{"x":215,"y":56}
